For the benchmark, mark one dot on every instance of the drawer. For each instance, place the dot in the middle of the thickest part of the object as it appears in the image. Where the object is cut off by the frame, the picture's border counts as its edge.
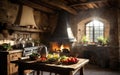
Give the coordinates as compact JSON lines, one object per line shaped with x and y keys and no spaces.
{"x":15,"y":56}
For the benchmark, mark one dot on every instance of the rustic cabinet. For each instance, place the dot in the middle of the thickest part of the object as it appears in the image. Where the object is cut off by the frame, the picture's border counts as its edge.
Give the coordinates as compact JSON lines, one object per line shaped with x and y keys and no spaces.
{"x":7,"y":68}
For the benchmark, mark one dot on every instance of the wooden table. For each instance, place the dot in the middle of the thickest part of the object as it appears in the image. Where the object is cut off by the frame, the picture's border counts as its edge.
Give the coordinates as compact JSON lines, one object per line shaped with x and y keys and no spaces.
{"x":27,"y":64}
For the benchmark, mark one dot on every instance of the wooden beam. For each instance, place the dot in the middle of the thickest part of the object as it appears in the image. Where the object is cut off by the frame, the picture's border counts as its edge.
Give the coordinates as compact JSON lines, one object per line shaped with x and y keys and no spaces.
{"x":36,"y":6}
{"x":43,"y":4}
{"x":61,"y":6}
{"x":95,"y":5}
{"x":90,"y":5}
{"x":85,"y":3}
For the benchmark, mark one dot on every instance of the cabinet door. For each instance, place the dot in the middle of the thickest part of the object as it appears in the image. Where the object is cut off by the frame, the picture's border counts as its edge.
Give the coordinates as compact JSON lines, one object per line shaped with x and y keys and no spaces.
{"x":13,"y":67}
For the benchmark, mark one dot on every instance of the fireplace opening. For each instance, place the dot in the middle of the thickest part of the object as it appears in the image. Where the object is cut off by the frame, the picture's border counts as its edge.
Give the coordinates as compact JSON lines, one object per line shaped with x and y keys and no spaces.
{"x":60,"y":47}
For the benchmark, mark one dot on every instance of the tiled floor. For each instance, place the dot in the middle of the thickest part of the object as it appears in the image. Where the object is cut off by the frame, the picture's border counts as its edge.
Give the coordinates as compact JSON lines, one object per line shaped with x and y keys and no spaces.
{"x":94,"y":70}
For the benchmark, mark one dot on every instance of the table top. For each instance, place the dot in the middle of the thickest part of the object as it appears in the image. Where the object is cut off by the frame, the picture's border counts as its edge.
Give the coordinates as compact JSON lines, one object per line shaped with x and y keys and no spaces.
{"x":79,"y":64}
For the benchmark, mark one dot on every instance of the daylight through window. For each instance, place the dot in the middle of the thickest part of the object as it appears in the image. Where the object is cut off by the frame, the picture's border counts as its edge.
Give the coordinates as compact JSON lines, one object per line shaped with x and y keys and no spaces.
{"x":94,"y":29}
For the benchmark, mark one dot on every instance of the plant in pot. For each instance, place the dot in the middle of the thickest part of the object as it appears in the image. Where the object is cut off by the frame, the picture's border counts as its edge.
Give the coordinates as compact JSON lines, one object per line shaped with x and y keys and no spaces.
{"x":102,"y":41}
{"x":84,"y":40}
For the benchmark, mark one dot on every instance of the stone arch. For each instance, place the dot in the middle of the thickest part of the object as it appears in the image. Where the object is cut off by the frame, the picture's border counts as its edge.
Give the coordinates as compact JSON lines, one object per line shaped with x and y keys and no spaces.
{"x":81,"y":27}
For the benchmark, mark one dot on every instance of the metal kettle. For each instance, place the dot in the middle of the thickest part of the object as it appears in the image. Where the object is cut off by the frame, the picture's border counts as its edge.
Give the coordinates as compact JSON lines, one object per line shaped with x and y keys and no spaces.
{"x":43,"y":51}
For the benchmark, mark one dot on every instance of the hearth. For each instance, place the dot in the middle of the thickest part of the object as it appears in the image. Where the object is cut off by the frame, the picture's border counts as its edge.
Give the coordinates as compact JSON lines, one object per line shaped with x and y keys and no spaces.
{"x":60,"y":47}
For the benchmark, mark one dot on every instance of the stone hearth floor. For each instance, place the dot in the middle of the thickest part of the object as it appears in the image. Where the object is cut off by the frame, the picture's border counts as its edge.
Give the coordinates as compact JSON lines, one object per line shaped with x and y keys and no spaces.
{"x":93,"y":70}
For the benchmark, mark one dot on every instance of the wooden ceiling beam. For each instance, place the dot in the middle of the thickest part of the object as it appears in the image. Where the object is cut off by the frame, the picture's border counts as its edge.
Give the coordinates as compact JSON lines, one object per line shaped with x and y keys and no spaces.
{"x":43,"y":4}
{"x":95,"y":5}
{"x":86,"y":3}
{"x":35,"y":6}
{"x":61,"y":6}
{"x":91,"y":5}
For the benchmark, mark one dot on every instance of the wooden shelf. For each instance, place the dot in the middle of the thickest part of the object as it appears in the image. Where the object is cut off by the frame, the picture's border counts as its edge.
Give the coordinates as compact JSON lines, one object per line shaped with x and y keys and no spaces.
{"x":25,"y":29}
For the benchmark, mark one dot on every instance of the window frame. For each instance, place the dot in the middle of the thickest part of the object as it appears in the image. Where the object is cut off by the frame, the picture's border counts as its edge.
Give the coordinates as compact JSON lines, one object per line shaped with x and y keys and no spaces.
{"x":94,"y":29}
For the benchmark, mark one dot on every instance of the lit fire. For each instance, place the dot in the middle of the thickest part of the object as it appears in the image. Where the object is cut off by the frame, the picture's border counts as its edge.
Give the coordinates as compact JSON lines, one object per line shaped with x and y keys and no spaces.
{"x":64,"y":47}
{"x":56,"y":47}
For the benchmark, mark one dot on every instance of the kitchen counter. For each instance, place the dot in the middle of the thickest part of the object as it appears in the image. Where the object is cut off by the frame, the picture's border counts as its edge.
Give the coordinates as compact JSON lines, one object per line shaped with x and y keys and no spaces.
{"x":7,"y":68}
{"x":12,"y":51}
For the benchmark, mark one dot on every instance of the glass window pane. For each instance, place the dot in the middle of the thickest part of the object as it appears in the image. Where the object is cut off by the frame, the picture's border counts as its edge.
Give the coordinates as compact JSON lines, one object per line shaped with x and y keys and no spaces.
{"x":95,"y":27}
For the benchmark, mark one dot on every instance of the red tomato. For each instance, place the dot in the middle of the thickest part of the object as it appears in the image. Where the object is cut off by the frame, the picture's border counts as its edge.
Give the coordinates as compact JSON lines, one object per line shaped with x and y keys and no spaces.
{"x":73,"y":60}
{"x":76,"y":60}
{"x":69,"y":59}
{"x":43,"y":59}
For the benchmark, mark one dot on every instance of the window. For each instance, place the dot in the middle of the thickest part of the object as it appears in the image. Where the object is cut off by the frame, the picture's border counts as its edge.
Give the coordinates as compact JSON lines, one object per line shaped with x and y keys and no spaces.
{"x":94,"y":29}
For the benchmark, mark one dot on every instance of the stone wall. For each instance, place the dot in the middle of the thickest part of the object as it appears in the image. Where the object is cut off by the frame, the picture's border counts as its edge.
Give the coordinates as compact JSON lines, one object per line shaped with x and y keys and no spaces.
{"x":111,"y":18}
{"x":8,"y":11}
{"x":119,"y":32}
{"x":9,"y":14}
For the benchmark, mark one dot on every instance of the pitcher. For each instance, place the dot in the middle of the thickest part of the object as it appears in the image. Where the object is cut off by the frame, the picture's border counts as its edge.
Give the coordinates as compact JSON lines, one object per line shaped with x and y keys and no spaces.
{"x":43,"y":51}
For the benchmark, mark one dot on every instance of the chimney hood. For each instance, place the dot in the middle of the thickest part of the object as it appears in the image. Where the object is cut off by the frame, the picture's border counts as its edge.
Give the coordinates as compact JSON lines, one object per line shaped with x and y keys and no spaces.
{"x":26,"y":16}
{"x":63,"y":32}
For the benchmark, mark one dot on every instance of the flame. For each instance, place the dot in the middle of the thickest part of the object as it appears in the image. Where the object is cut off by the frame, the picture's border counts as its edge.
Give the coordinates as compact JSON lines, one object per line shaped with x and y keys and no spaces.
{"x":64,"y":47}
{"x":55,"y":46}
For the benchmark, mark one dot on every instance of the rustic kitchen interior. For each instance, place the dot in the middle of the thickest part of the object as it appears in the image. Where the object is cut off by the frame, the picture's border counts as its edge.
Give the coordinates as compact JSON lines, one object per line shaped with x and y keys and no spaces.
{"x":88,"y":29}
